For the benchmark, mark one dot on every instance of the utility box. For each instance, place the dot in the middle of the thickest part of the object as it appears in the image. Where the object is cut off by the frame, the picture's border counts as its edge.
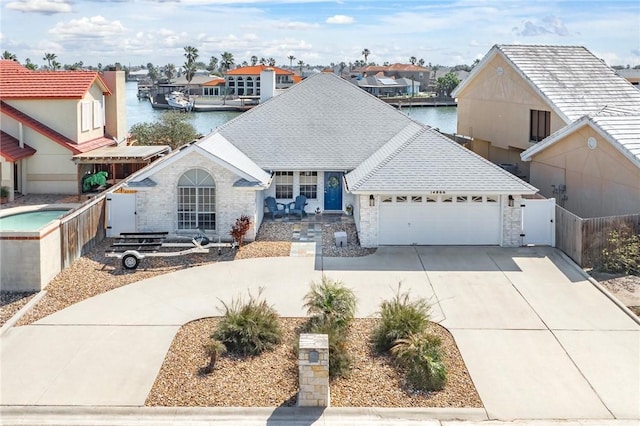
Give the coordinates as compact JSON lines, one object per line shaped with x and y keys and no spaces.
{"x":341,"y":238}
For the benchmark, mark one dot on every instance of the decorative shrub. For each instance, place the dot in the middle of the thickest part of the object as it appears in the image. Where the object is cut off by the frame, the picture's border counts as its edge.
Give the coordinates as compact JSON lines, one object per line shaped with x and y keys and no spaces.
{"x":240,"y":229}
{"x":419,"y":355}
{"x":623,"y":253}
{"x":339,"y":358}
{"x":248,"y":328}
{"x":214,"y":349}
{"x":399,"y":317}
{"x":330,"y":302}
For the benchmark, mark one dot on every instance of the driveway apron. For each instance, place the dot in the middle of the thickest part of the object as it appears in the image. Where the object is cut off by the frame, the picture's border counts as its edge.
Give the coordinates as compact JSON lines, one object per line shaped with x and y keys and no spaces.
{"x":539,"y":340}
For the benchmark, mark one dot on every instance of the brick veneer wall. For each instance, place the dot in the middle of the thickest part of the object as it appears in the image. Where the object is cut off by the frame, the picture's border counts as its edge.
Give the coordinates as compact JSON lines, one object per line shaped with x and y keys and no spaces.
{"x":157,"y":206}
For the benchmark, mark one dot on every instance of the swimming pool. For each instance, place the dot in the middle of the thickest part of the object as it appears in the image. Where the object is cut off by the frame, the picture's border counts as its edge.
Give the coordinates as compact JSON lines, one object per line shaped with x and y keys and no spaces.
{"x":30,"y":220}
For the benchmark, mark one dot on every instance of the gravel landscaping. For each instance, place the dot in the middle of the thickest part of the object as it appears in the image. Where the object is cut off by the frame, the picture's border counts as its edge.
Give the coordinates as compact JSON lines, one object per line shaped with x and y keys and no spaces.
{"x":270,"y":379}
{"x":626,"y":288}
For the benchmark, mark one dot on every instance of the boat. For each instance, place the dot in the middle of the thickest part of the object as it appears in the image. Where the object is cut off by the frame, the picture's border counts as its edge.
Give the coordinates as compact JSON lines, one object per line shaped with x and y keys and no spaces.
{"x":179,"y":100}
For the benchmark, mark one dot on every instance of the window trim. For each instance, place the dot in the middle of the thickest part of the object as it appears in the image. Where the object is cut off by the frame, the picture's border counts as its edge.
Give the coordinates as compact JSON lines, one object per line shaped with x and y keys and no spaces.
{"x":536,"y":133}
{"x":284,"y":190}
{"x":202,"y":190}
{"x":308,"y":184}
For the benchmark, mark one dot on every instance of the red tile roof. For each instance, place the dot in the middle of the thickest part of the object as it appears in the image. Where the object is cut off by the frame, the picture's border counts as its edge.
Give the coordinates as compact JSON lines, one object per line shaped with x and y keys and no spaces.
{"x":18,"y":82}
{"x":10,"y":148}
{"x":216,"y":82}
{"x":256,"y":70}
{"x":52,"y":134}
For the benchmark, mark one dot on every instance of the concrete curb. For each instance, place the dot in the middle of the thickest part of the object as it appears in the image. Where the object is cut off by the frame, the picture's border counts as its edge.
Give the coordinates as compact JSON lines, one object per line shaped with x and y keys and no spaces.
{"x":26,"y":308}
{"x":25,"y":415}
{"x":600,"y":287}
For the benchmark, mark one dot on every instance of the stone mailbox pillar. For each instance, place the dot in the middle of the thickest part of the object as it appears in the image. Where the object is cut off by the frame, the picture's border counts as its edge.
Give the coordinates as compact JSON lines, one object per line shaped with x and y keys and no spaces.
{"x":313,"y":370}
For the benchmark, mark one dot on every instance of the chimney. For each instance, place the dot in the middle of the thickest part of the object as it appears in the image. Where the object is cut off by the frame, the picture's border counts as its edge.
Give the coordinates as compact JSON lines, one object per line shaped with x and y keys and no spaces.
{"x":267,"y":84}
{"x":115,"y":107}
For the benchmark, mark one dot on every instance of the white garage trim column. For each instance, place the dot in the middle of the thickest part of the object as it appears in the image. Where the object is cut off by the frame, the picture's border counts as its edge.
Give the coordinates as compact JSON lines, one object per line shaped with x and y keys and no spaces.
{"x":511,"y":221}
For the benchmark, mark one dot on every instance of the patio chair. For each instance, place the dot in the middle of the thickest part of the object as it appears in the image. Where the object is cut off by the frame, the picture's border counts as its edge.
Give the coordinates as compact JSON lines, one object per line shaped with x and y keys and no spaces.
{"x":297,"y":207}
{"x":274,"y":207}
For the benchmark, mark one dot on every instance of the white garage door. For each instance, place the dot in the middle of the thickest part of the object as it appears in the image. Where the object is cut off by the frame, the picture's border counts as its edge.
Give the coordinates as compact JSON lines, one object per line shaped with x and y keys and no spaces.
{"x":439,"y":220}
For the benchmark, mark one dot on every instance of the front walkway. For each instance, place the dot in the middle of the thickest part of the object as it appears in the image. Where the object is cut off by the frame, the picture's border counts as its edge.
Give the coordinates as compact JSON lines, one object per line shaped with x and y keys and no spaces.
{"x":540,"y":341}
{"x":306,"y":240}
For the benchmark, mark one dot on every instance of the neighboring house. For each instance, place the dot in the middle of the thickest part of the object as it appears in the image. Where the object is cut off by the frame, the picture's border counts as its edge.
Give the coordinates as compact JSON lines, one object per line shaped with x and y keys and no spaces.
{"x":409,"y":71}
{"x":591,"y":166}
{"x":379,"y":85}
{"x":518,"y":95}
{"x":49,"y":119}
{"x":214,"y":87}
{"x":245,"y":81}
{"x":632,"y":75}
{"x":198,"y":85}
{"x":339,"y":146}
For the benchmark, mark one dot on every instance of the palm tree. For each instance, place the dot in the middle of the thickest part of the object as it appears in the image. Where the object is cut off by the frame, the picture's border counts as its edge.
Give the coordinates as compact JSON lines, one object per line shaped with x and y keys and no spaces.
{"x":300,"y":64}
{"x":272,"y":62}
{"x":366,"y":52}
{"x":421,"y":62}
{"x":191,"y":53}
{"x":213,"y":64}
{"x":291,"y":58}
{"x":55,"y":65}
{"x":170,"y":71}
{"x":263,"y":61}
{"x":254,"y":60}
{"x":227,"y":60}
{"x":10,"y":56}
{"x":413,"y":60}
{"x":330,"y":302}
{"x":50,"y":58}
{"x":30,"y":65}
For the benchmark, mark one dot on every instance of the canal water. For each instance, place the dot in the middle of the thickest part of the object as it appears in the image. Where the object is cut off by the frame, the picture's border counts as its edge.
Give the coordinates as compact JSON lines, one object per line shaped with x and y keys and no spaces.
{"x":138,"y":111}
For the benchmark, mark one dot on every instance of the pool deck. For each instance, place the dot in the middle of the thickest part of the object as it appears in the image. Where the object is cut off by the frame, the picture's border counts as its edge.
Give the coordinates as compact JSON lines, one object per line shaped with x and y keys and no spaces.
{"x":42,"y":199}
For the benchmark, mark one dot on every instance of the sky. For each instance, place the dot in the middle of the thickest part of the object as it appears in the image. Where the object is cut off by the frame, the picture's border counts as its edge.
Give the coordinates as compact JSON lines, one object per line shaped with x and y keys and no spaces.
{"x":317,"y":32}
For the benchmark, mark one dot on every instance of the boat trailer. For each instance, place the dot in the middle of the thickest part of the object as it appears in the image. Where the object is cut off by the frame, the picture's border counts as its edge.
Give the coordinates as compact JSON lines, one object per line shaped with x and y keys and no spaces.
{"x":132,"y":247}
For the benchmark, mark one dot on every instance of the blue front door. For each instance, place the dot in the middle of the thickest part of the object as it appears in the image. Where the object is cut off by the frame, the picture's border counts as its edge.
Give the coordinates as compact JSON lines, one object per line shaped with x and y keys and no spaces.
{"x":333,"y":191}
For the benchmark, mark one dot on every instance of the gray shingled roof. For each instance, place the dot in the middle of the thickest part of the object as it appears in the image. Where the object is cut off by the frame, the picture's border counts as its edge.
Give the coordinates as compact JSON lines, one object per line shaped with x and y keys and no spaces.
{"x":421,"y":159}
{"x":572,"y":78}
{"x":321,"y":123}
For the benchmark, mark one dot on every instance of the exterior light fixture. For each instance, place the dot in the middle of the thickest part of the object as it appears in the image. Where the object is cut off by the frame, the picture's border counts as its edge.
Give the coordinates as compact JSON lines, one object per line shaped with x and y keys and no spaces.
{"x":510,"y":200}
{"x":372,"y":200}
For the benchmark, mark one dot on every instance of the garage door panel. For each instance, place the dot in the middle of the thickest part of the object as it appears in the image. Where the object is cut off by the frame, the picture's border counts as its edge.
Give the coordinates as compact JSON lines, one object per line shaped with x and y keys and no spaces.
{"x":439,"y":223}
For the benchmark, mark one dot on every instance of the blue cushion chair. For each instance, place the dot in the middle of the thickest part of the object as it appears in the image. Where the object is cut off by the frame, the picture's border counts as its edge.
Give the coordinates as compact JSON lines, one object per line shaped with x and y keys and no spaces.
{"x":275,"y":209}
{"x":297,"y":206}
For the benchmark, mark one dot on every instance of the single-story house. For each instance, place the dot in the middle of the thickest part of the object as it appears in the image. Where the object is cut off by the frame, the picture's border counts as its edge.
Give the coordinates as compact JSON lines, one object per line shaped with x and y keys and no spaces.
{"x":339,"y":146}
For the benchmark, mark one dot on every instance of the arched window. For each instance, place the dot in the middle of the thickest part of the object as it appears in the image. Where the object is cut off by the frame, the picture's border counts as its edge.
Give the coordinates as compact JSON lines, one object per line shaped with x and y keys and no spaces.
{"x":196,"y":200}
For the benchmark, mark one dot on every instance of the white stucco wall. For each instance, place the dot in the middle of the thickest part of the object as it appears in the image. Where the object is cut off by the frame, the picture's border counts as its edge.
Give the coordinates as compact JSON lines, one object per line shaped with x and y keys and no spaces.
{"x":157,"y":206}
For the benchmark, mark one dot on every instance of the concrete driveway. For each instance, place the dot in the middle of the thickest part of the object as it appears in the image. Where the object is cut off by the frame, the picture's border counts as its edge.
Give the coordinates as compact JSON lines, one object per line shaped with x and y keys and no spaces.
{"x":540,"y":341}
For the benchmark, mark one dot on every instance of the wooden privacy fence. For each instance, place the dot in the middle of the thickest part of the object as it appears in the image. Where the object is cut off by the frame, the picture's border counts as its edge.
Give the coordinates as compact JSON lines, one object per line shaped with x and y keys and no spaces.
{"x":584,"y":239}
{"x":81,"y":230}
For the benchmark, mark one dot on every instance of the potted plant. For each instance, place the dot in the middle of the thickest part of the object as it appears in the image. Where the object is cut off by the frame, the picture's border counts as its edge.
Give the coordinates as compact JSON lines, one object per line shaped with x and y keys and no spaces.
{"x":4,"y":194}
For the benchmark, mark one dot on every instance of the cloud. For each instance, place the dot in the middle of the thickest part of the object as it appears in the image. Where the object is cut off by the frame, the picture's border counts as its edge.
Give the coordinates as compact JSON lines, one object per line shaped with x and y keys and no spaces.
{"x":83,"y":28}
{"x":340,"y":19}
{"x":549,"y":25}
{"x":45,"y":7}
{"x":293,"y":25}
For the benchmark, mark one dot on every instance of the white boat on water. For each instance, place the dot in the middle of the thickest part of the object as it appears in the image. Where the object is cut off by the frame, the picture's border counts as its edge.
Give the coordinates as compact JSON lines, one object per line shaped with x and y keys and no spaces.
{"x":179,"y":100}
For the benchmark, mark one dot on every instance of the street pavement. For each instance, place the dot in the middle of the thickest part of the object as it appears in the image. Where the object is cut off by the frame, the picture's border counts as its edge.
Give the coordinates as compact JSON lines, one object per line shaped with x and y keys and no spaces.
{"x":540,"y":340}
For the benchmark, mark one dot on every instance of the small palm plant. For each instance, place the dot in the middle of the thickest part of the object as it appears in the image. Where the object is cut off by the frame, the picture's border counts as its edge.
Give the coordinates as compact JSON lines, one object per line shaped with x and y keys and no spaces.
{"x":249,"y":328}
{"x":329,"y":301}
{"x":399,"y":317}
{"x":420,"y":356}
{"x":214,"y":349}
